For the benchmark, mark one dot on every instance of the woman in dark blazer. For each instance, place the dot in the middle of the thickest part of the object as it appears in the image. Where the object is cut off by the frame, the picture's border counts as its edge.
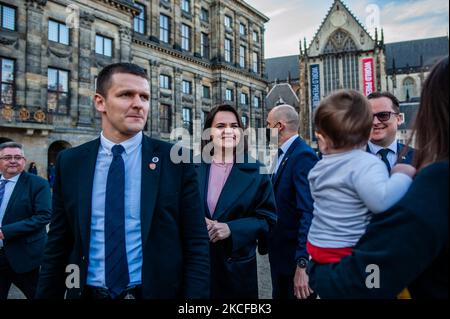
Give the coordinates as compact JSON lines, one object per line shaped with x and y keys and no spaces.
{"x":239,"y":205}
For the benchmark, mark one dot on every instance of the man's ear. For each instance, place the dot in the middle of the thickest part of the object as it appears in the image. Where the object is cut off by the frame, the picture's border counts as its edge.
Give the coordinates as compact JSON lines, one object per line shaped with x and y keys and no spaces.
{"x":400,"y":119}
{"x":319,"y":136}
{"x":100,"y":103}
{"x":323,"y":142}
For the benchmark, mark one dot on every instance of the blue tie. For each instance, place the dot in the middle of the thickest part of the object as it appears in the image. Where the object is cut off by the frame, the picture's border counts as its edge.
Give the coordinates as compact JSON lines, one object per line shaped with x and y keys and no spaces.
{"x":280,"y":152}
{"x":2,"y":189}
{"x":274,"y":173}
{"x":116,"y":264}
{"x":383,"y":153}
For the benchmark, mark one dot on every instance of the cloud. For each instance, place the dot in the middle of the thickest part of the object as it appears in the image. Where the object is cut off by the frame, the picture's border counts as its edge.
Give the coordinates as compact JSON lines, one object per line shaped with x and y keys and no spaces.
{"x":406,"y":11}
{"x":292,"y":20}
{"x":276,"y":12}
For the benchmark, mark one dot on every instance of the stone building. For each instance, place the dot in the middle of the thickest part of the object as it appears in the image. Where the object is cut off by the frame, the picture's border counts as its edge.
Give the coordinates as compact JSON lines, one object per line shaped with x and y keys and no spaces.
{"x":198,"y":53}
{"x":343,"y":55}
{"x":283,"y":76}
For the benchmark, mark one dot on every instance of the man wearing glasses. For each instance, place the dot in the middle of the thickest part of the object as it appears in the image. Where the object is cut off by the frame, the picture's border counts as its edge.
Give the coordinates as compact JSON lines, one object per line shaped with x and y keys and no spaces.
{"x":25,"y":210}
{"x":386,"y":119}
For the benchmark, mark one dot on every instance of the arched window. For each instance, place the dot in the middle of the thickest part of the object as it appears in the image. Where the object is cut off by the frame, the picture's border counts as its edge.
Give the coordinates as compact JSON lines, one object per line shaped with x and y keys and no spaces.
{"x":409,"y":88}
{"x":340,"y":43}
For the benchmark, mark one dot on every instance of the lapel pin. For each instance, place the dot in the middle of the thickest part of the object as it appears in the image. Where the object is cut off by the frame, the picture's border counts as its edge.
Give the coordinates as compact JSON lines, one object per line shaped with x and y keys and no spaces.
{"x":152,"y":166}
{"x":155,"y":159}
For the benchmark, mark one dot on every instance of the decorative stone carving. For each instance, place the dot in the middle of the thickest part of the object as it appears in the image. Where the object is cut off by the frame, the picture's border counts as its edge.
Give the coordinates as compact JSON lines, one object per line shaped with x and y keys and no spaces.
{"x":59,"y":51}
{"x":86,"y":19}
{"x":8,"y":39}
{"x":165,"y":4}
{"x":24,"y":114}
{"x":362,"y":38}
{"x":39,"y":116}
{"x":36,"y":4}
{"x":125,"y":33}
{"x":188,"y":99}
{"x":155,"y":63}
{"x":165,"y":95}
{"x":8,"y":113}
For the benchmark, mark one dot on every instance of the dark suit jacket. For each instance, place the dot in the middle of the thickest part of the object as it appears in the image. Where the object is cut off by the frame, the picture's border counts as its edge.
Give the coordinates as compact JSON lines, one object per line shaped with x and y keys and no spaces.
{"x":247,"y":205}
{"x":174,"y":237}
{"x":409,"y":243}
{"x":287,"y":242}
{"x":402,"y":159}
{"x":28,"y":212}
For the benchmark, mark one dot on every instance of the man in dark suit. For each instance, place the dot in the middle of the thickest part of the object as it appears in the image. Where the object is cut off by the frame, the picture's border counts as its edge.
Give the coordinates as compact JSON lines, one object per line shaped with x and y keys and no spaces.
{"x":383,"y":140}
{"x":25,"y":210}
{"x":287,"y":243}
{"x":125,"y":215}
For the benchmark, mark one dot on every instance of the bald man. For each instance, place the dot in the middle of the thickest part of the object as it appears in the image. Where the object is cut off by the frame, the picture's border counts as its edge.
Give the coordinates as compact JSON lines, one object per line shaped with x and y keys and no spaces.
{"x":287,"y":243}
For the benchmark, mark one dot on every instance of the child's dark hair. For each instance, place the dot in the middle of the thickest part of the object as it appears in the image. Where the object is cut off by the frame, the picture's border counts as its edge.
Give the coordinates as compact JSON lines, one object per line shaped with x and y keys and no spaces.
{"x":345,"y":118}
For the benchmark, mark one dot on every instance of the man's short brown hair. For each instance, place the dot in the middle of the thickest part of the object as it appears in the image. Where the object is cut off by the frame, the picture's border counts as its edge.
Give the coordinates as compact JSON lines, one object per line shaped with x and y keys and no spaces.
{"x":105,"y":76}
{"x":345,"y":117}
{"x":390,"y":96}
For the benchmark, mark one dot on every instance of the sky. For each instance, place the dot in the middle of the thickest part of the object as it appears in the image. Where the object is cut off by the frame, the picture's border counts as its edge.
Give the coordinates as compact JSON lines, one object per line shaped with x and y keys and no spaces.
{"x":402,"y":20}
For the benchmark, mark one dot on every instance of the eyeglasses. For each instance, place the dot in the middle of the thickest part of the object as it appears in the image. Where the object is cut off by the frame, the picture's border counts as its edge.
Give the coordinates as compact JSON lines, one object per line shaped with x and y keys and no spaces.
{"x":10,"y":158}
{"x":384,"y":116}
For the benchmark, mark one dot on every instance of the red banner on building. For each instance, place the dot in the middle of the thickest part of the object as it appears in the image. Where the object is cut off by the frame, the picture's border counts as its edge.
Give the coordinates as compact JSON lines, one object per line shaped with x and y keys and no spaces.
{"x":368,"y":76}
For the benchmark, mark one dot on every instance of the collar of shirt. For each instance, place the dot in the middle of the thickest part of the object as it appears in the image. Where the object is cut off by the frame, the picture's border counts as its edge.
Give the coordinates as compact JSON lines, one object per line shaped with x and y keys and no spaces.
{"x":376,"y":148}
{"x":286,"y":145}
{"x":129,"y":145}
{"x":12,"y":179}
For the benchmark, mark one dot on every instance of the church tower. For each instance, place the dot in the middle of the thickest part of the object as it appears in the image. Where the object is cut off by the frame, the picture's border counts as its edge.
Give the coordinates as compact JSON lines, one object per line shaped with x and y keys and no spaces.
{"x":341,"y":55}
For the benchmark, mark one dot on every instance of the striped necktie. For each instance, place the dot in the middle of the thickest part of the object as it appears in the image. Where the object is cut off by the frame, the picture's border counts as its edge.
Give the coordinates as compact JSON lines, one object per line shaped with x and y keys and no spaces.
{"x":116,"y":264}
{"x":2,"y":189}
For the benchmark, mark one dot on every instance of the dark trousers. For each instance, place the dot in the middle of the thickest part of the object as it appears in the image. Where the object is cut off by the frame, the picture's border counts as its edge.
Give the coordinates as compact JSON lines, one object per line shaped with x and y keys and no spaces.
{"x":103,"y":293}
{"x":283,"y":287}
{"x":26,"y":282}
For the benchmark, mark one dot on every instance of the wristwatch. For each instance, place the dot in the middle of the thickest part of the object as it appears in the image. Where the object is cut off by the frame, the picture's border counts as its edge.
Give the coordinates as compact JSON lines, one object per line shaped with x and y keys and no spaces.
{"x":302,"y":263}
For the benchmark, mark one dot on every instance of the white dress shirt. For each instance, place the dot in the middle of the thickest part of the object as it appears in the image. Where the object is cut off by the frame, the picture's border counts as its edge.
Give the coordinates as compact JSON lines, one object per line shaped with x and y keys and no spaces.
{"x":392,"y":156}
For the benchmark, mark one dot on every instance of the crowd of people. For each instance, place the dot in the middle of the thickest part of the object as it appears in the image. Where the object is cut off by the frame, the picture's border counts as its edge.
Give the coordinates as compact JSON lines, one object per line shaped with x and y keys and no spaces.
{"x":137,"y":225}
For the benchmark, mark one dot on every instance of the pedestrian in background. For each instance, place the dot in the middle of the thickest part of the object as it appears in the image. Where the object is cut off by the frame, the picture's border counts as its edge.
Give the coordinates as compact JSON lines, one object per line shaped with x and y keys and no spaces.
{"x":32,"y":169}
{"x":51,"y":174}
{"x":25,"y":211}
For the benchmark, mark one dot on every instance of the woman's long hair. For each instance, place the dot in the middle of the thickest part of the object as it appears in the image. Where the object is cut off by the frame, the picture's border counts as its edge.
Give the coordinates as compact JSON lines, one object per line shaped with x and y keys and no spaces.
{"x":431,"y":126}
